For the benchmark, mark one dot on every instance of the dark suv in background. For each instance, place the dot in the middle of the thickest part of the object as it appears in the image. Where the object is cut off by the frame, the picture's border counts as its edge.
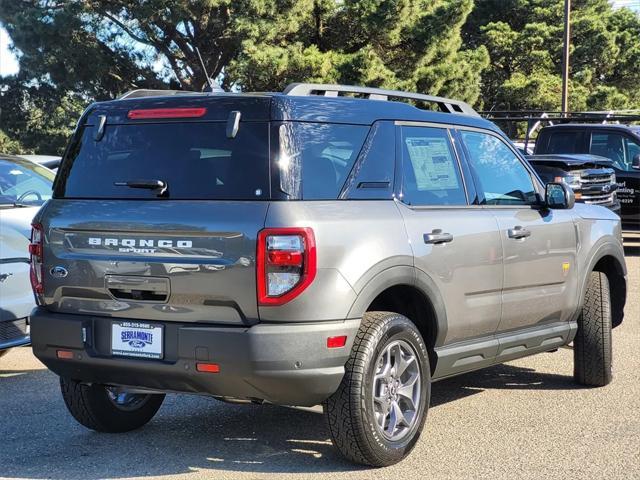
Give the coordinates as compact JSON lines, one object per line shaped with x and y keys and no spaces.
{"x":619,"y":143}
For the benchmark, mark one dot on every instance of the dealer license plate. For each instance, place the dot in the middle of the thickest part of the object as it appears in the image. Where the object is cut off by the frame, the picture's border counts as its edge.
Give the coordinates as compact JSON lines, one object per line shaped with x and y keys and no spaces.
{"x":136,"y":339}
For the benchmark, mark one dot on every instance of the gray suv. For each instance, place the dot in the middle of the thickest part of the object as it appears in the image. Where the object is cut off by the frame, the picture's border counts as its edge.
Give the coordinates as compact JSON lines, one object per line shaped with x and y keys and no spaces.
{"x":329,"y":244}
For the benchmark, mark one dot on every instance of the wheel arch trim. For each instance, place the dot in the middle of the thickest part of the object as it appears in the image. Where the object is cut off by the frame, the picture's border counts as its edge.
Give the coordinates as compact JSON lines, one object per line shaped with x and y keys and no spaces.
{"x":403,"y":275}
{"x":617,"y":254}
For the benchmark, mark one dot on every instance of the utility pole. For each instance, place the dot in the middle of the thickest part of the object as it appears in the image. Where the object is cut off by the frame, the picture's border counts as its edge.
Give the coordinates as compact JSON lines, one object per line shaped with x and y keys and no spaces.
{"x":565,"y":57}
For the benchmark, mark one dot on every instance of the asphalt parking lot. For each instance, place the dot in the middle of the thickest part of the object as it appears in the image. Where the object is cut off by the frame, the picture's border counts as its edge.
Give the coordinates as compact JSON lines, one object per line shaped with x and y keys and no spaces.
{"x":525,"y":419}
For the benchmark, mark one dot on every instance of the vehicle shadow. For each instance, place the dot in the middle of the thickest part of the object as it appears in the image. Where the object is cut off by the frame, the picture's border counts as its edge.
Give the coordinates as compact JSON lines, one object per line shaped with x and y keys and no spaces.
{"x":499,"y":377}
{"x":196,"y":433}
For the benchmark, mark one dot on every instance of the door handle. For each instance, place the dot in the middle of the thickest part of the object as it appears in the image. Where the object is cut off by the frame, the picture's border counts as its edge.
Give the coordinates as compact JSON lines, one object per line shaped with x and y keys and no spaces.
{"x":437,"y":236}
{"x":518,"y":232}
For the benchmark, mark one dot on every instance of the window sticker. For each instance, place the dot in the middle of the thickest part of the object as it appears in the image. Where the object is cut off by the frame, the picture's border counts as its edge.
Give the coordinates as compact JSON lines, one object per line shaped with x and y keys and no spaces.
{"x":432,"y":163}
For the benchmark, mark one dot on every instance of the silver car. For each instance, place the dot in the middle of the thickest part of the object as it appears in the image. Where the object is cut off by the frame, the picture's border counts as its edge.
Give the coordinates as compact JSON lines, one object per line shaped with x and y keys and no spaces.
{"x":24,"y":187}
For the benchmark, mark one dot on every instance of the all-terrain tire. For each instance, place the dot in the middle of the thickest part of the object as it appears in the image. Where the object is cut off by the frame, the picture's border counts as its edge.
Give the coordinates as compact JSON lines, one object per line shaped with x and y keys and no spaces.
{"x":91,"y":406}
{"x":592,"y":349}
{"x":349,"y":412}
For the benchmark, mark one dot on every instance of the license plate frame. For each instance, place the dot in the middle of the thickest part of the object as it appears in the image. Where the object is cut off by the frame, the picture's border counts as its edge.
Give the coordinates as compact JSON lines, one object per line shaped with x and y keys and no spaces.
{"x":132,"y":339}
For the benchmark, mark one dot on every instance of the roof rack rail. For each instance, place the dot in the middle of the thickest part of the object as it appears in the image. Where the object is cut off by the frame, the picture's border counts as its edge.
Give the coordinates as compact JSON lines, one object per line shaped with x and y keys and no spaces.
{"x":446,"y":105}
{"x":144,"y":92}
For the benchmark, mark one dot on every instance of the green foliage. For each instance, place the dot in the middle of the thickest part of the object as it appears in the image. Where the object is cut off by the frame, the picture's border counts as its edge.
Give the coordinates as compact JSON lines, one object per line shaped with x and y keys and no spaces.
{"x":10,"y":146}
{"x":36,"y":118}
{"x":496,"y":54}
{"x":81,"y":50}
{"x":405,"y":44}
{"x":524,"y":40}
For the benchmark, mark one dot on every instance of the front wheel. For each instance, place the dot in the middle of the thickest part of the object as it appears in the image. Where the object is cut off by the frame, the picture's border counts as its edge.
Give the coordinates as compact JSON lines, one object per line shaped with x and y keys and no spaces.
{"x":592,"y":349}
{"x":376,"y":415}
{"x":106,"y":409}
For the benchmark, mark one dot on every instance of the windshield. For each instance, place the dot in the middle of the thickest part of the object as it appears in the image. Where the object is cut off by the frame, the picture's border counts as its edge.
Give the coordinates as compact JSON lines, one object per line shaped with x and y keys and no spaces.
{"x":24,"y":183}
{"x":178,"y":161}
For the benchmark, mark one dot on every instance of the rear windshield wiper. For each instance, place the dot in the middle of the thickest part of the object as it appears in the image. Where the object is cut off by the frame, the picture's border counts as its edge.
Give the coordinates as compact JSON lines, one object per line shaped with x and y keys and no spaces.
{"x":152,"y":184}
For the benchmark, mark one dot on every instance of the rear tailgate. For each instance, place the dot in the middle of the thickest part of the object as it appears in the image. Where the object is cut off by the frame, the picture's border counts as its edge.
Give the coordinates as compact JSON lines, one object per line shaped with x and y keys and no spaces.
{"x":156,"y":210}
{"x":171,"y":260}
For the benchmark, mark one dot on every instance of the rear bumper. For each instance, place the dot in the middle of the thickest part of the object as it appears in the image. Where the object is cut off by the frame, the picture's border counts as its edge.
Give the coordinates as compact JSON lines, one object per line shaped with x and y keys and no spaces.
{"x":286,"y":364}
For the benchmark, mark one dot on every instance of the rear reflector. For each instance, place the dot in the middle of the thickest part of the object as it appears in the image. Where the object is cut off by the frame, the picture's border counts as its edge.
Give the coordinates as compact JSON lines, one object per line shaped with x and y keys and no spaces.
{"x":166,"y":113}
{"x":208,"y":367}
{"x":64,"y":354}
{"x":337,"y":342}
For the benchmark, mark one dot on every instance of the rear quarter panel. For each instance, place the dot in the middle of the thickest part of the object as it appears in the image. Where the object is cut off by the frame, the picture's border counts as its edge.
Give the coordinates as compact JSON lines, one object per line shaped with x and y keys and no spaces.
{"x":355,"y":241}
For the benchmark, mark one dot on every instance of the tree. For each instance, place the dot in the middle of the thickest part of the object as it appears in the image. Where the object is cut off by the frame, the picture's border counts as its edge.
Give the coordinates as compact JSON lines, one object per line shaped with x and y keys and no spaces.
{"x":524,"y":40}
{"x":410,"y":45}
{"x":36,"y":118}
{"x":77,"y":51}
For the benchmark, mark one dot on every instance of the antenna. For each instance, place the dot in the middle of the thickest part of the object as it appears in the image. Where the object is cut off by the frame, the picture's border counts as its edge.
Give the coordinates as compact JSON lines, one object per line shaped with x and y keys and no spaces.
{"x":212,"y":87}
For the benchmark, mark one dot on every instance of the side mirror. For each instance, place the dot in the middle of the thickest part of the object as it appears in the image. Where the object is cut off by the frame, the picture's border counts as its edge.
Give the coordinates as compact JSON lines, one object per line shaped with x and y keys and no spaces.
{"x":635,"y":162}
{"x":559,"y":196}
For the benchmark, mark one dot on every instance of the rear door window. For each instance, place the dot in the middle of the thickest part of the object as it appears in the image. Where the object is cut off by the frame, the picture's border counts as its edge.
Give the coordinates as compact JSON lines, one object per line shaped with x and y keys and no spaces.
{"x":195,"y":160}
{"x":617,"y":147}
{"x":430,"y":171}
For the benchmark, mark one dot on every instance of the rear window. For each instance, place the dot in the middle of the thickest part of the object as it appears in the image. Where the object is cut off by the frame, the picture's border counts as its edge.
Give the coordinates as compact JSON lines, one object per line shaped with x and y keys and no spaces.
{"x":565,"y":142}
{"x":195,"y":160}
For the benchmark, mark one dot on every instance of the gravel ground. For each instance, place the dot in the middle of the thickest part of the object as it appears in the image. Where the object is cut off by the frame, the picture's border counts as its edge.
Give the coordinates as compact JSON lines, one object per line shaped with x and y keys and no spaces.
{"x":525,"y":419}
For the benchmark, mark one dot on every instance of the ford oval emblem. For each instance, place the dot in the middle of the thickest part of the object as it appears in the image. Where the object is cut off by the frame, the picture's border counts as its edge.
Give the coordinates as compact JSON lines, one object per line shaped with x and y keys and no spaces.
{"x":59,"y":272}
{"x":137,"y":344}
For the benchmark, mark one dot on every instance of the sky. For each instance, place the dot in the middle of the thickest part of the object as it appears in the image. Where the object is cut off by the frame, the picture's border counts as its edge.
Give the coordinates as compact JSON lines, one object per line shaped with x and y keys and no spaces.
{"x":632,"y":4}
{"x":9,"y":63}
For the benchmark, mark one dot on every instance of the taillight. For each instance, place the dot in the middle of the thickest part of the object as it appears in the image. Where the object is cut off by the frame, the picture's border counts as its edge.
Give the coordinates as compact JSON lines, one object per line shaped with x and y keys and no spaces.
{"x":286,"y":264}
{"x":36,"y":260}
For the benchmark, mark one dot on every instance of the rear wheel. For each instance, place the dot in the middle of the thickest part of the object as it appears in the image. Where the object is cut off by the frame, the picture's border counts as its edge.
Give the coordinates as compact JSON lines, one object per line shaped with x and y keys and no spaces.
{"x":106,"y":409}
{"x":592,"y":349}
{"x":376,"y":415}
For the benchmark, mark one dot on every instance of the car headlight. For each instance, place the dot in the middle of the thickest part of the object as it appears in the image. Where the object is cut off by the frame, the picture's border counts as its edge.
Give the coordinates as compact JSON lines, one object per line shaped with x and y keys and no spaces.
{"x":572,"y":181}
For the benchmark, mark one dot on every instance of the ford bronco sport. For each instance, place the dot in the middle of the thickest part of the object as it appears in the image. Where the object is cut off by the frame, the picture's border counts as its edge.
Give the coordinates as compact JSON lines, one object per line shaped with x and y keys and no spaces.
{"x":338,"y":245}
